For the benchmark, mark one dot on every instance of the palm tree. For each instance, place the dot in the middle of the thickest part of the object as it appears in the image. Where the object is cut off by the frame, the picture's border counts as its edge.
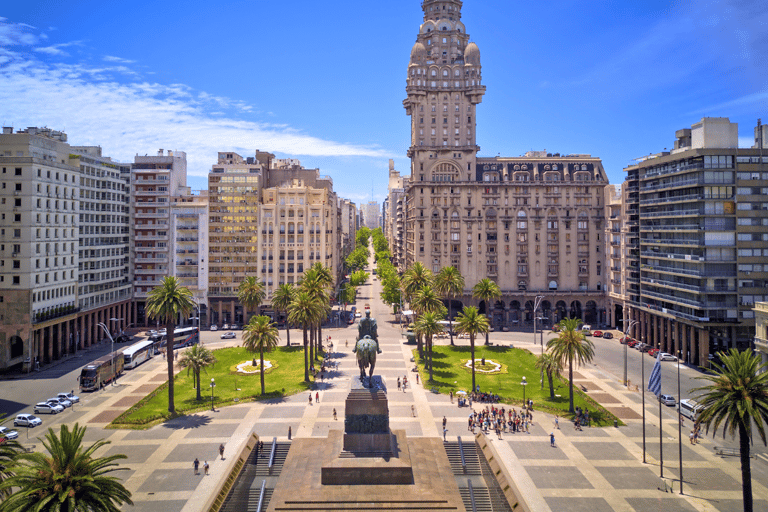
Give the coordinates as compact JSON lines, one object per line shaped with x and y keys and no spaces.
{"x":426,"y":301}
{"x":314,"y":283}
{"x":571,"y":344}
{"x":260,"y":335}
{"x":250,"y":294}
{"x":449,"y":283}
{"x":471,"y":322}
{"x":325,"y":277}
{"x":737,"y":399}
{"x":304,"y":311}
{"x":165,"y":303}
{"x":281,"y":299}
{"x":9,"y":449}
{"x":486,"y":290}
{"x":69,"y":479}
{"x":415,"y":278}
{"x":552,"y":366}
{"x":428,"y":325}
{"x":195,"y":360}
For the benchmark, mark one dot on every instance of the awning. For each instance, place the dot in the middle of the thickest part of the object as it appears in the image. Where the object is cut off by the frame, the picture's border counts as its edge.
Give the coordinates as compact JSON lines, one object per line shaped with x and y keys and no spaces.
{"x":407,"y":312}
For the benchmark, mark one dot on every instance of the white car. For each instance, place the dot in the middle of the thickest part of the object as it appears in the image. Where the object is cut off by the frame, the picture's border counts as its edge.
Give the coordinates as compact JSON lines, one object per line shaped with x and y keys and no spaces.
{"x":667,"y":400}
{"x":214,"y":328}
{"x":666,"y":357}
{"x":225,"y":326}
{"x":61,"y":401}
{"x":8,"y":434}
{"x":358,"y":315}
{"x":45,"y":407}
{"x":228,"y":336}
{"x":69,"y":396}
{"x":27,"y":420}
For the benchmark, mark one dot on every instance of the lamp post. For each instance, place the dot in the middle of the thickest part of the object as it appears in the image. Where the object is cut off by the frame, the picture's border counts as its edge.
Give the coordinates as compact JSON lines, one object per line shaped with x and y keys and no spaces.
{"x":536,"y":304}
{"x":524,"y":383}
{"x":112,"y":349}
{"x":213,"y":385}
{"x":679,"y":423}
{"x":632,"y":323}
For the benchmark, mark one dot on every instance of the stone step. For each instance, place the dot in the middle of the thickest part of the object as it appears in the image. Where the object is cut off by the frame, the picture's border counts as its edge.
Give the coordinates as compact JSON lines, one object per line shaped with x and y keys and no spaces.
{"x":262,"y":467}
{"x":482,"y":499}
{"x":399,"y":505}
{"x":471,"y":457}
{"x":354,"y":455}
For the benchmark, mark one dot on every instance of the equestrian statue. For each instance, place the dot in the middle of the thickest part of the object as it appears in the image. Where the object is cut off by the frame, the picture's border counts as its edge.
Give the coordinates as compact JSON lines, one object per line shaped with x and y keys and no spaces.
{"x":367,"y":346}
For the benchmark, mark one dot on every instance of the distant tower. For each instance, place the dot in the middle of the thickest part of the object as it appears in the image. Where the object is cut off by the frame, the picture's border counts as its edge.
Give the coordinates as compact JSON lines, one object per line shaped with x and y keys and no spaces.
{"x":444,"y":87}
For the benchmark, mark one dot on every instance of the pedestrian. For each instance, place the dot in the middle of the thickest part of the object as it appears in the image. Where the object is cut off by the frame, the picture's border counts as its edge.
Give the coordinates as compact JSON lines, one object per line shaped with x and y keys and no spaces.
{"x":682,"y":421}
{"x":557,"y":422}
{"x":450,"y":393}
{"x":413,"y":411}
{"x":347,"y":343}
{"x":334,"y":414}
{"x":196,"y":464}
{"x":221,"y":451}
{"x":317,"y":397}
{"x":398,"y":383}
{"x":310,"y":398}
{"x":289,"y":432}
{"x":445,"y":432}
{"x":405,"y":382}
{"x":445,"y":421}
{"x":205,"y":467}
{"x":417,"y":379}
{"x":552,"y":439}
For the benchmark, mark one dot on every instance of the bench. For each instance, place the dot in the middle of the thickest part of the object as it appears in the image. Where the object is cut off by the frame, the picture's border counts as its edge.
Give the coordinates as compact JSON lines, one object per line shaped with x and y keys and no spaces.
{"x":583,"y":387}
{"x":727,"y":452}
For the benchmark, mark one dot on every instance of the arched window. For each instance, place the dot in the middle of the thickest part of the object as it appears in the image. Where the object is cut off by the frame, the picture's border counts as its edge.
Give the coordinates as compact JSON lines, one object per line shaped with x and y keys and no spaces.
{"x":553,"y":285}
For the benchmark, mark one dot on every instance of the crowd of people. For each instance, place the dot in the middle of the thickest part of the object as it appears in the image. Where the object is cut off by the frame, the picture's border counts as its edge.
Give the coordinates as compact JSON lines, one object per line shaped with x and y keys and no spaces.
{"x":501,"y":420}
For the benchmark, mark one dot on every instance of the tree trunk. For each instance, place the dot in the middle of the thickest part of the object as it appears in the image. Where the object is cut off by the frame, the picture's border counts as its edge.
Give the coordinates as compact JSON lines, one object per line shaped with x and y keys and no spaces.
{"x":570,"y":384}
{"x":746,"y":469}
{"x":288,"y":333}
{"x":420,"y":345}
{"x":450,"y":319}
{"x":486,"y":336}
{"x":312,"y":345}
{"x":319,"y":341}
{"x":169,"y":328}
{"x":551,"y":386}
{"x":472,"y":355}
{"x":197,"y":379}
{"x":306,"y":358}
{"x":429,"y":356}
{"x":261,"y":368}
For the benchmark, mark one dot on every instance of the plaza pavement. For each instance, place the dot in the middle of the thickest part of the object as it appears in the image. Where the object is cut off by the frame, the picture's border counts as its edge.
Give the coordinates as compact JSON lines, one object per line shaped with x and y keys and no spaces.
{"x":597,"y":469}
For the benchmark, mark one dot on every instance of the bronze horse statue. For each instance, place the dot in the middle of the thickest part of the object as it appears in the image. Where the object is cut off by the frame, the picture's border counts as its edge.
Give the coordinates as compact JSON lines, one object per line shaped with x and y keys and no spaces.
{"x":366,"y":349}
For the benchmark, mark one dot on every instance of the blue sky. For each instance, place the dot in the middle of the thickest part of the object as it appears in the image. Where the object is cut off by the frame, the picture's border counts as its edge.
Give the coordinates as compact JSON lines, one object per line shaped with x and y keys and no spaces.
{"x":324,"y":81}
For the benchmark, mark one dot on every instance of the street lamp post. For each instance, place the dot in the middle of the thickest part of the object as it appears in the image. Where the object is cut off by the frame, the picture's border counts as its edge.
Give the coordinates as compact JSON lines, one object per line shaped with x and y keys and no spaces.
{"x":524,"y":383}
{"x":112,"y":349}
{"x":626,"y":335}
{"x":213,"y":385}
{"x":536,"y":304}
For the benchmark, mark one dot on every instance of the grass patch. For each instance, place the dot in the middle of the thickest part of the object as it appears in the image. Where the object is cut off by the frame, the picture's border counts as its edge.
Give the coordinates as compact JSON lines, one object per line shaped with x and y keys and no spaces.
{"x":284,"y":379}
{"x":450,"y":375}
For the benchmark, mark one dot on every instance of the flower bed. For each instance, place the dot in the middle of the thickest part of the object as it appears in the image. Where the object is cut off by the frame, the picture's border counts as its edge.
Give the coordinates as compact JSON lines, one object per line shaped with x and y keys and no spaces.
{"x":489,"y":367}
{"x":247,"y":367}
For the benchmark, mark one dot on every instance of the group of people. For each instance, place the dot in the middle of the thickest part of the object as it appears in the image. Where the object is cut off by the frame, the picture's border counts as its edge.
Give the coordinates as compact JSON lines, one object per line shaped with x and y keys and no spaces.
{"x":206,"y":466}
{"x":402,"y":383}
{"x":501,"y":420}
{"x":581,"y":418}
{"x":695,"y":434}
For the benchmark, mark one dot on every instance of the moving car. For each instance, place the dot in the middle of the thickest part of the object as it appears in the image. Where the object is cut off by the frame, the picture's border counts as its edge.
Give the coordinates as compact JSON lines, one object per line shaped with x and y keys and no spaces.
{"x":597,"y":334}
{"x":228,"y":336}
{"x":45,"y":407}
{"x":607,"y":335}
{"x":27,"y":420}
{"x":667,"y":400}
{"x":667,"y":357}
{"x":60,"y":401}
{"x":690,"y":408}
{"x":8,"y":434}
{"x":69,"y":396}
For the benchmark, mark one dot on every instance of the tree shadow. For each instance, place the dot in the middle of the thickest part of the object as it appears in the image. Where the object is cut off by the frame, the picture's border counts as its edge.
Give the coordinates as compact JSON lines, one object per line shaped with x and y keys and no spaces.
{"x":187,"y":422}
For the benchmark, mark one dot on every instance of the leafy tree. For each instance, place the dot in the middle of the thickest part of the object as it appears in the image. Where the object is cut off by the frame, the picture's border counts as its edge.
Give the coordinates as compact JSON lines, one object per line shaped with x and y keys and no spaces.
{"x":390,"y":292}
{"x":471,"y":322}
{"x":415,"y":278}
{"x":250,"y":294}
{"x":362,"y":236}
{"x":357,"y":259}
{"x":358,"y":278}
{"x":325,"y":277}
{"x":426,"y":301}
{"x":316,"y":284}
{"x":68,"y":479}
{"x":427,"y":326}
{"x":9,"y":449}
{"x":165,"y":303}
{"x":260,"y":335}
{"x":486,"y":290}
{"x":552,"y":366}
{"x":195,"y":360}
{"x":736,"y":398}
{"x":571,"y":345}
{"x":281,"y":299}
{"x":347,"y":294}
{"x":449,"y":283}
{"x":305,"y":310}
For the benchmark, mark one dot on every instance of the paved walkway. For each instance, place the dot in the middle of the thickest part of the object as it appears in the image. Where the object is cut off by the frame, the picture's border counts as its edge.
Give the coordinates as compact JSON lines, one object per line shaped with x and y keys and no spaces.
{"x":597,"y":469}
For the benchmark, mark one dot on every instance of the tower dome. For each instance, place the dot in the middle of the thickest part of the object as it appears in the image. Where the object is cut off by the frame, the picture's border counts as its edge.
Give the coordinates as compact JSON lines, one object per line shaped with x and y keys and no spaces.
{"x":472,"y":55}
{"x":418,"y":54}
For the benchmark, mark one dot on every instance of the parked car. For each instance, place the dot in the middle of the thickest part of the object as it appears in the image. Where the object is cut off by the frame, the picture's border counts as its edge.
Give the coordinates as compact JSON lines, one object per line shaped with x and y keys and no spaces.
{"x":586,"y":333}
{"x":632,"y":343}
{"x":45,"y":407}
{"x":597,"y":334}
{"x":7,"y":433}
{"x":69,"y":396}
{"x":645,"y":348}
{"x":214,"y":328}
{"x":607,"y":335}
{"x":668,"y":400}
{"x":358,"y":315}
{"x":235,"y":327}
{"x":652,"y":352}
{"x":228,"y":336}
{"x":60,"y":401}
{"x":26,"y":420}
{"x":225,"y":327}
{"x":667,"y":357}
{"x":351,"y":319}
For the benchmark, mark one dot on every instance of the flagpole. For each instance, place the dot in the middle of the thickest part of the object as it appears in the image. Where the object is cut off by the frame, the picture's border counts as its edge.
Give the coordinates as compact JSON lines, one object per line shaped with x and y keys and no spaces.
{"x":642,"y":363}
{"x":679,"y":425}
{"x":654,"y":385}
{"x":661,"y":442}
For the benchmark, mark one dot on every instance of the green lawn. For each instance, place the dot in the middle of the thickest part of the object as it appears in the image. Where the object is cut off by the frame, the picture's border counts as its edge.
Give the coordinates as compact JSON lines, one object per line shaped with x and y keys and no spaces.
{"x":285,"y":378}
{"x":450,"y":375}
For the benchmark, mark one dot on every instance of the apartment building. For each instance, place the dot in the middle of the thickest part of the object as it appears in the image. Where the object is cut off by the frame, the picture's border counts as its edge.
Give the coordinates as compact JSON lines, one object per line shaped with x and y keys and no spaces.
{"x":155,"y":180}
{"x":348,"y":226}
{"x":394,"y":214}
{"x":703,"y":240}
{"x":535,"y":224}
{"x":189,"y":226}
{"x":370,"y":213}
{"x":761,"y":331}
{"x":104,"y":268}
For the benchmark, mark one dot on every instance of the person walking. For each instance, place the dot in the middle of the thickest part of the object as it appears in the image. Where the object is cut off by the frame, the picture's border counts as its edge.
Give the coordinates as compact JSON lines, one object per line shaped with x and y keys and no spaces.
{"x":445,"y":421}
{"x":310,"y":398}
{"x":289,"y":432}
{"x":405,"y":382}
{"x":196,"y":464}
{"x":317,"y":397}
{"x":445,"y":432}
{"x":557,"y":422}
{"x":398,"y":383}
{"x":413,"y":411}
{"x":450,"y":393}
{"x":221,"y":451}
{"x":417,"y":379}
{"x":334,"y":414}
{"x":552,"y":439}
{"x":205,"y":468}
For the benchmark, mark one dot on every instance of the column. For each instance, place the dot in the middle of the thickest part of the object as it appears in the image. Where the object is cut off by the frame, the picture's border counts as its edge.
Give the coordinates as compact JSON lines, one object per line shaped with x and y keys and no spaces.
{"x":221,"y":311}
{"x":65,"y":336}
{"x":704,"y":348}
{"x":234,"y":308}
{"x":59,"y":340}
{"x":47,"y":342}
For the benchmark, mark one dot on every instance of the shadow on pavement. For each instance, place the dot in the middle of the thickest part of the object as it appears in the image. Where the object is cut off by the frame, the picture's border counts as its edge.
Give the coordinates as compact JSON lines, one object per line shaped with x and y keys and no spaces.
{"x":187,"y":422}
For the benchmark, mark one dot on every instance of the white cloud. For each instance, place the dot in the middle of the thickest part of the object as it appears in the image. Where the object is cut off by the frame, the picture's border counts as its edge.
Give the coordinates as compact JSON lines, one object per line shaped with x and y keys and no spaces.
{"x":119,"y":60}
{"x":56,"y":49}
{"x":16,"y":34}
{"x":139,"y":117}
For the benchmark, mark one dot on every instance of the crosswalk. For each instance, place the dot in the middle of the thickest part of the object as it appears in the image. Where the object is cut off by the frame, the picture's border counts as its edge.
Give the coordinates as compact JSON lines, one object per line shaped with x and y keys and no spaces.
{"x":762,"y":456}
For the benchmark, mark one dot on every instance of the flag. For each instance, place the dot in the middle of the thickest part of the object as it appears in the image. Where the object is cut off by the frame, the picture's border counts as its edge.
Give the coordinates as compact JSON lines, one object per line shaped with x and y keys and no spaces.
{"x":654,"y":381}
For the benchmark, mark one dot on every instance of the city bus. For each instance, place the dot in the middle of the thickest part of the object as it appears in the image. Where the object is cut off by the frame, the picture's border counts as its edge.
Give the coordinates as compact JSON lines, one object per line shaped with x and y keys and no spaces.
{"x":182,"y":337}
{"x":137,"y":354}
{"x":95,"y":375}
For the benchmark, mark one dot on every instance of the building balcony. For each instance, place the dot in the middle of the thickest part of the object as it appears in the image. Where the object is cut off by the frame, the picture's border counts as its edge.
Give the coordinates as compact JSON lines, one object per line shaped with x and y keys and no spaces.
{"x":54,"y":314}
{"x":761,"y":344}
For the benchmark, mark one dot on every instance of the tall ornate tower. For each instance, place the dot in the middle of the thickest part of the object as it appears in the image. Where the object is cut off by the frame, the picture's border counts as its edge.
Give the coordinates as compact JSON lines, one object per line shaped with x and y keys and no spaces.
{"x":444,"y":86}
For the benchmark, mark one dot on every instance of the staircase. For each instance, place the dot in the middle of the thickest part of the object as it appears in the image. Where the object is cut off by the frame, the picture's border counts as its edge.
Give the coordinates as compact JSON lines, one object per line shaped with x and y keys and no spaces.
{"x":245,"y":493}
{"x":486,"y":491}
{"x":470,"y":458}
